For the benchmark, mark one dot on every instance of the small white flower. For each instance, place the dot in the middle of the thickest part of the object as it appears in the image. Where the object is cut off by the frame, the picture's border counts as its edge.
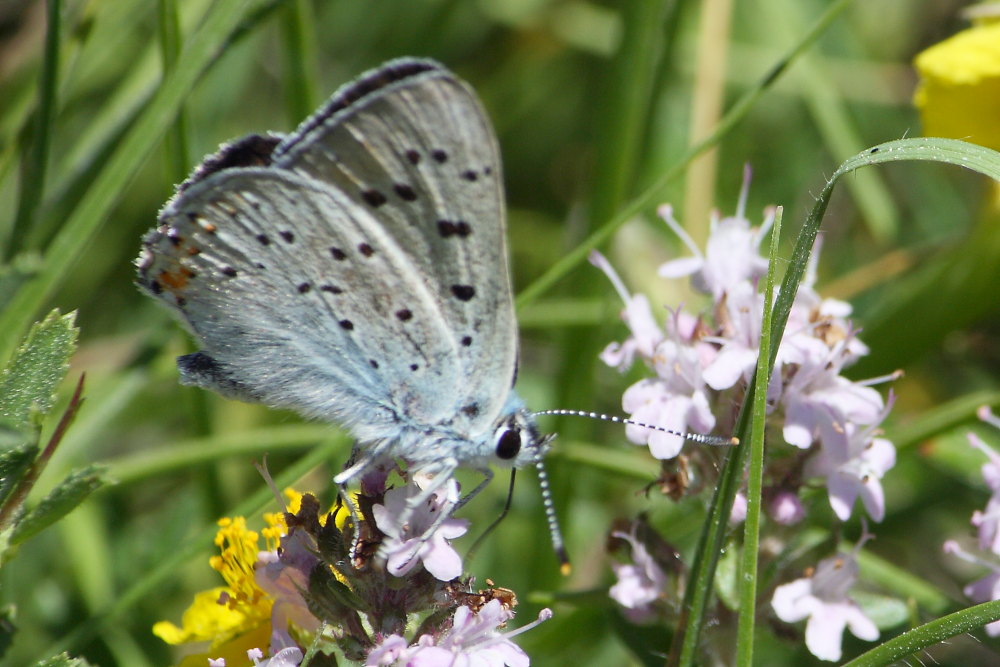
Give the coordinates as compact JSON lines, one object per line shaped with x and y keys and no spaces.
{"x":640,"y":584}
{"x":855,"y":469}
{"x":638,"y":317}
{"x":822,"y":598}
{"x":391,"y":650}
{"x":406,"y":545}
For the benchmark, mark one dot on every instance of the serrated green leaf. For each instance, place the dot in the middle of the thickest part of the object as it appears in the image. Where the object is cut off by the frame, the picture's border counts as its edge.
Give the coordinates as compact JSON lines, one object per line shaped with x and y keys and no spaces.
{"x":63,"y":660}
{"x":30,"y":378}
{"x":61,"y":501}
{"x":14,"y":464}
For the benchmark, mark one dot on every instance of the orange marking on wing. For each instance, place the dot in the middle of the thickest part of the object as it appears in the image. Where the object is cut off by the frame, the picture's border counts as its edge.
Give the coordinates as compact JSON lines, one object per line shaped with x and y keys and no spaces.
{"x":175,"y":279}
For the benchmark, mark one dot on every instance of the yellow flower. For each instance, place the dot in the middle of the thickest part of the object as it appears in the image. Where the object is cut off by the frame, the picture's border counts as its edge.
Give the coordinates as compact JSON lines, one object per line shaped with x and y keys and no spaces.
{"x":236,"y":617}
{"x":219,"y":614}
{"x":959,"y":92}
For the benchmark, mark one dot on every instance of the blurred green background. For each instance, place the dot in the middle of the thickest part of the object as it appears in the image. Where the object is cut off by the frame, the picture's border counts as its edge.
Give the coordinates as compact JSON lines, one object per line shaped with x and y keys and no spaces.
{"x":592,"y":102}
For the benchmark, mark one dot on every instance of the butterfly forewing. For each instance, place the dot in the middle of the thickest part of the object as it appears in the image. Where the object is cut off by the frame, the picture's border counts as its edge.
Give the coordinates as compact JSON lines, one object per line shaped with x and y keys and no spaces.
{"x":419,"y":153}
{"x":361,"y":275}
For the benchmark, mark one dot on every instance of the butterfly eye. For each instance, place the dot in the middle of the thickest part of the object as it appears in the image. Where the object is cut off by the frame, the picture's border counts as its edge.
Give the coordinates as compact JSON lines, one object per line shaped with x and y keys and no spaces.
{"x":508,"y":442}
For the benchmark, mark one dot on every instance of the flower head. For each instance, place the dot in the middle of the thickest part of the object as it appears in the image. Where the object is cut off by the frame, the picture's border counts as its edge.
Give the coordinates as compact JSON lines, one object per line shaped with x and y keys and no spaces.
{"x":701,"y":363}
{"x":822,"y":598}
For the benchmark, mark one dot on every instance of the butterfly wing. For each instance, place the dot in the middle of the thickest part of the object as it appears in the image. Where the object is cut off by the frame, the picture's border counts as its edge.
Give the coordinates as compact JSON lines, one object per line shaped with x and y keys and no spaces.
{"x":355,"y":270}
{"x":421,"y":156}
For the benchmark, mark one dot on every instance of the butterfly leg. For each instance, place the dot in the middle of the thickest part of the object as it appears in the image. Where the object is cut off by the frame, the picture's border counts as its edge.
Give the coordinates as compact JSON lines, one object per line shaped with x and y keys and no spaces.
{"x":435,"y":497}
{"x":355,"y":465}
{"x":358,"y":464}
{"x":487,"y":478}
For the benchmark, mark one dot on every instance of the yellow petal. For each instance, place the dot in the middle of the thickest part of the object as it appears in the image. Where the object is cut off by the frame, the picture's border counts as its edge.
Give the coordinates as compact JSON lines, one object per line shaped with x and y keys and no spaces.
{"x":959,"y":91}
{"x":207,"y":620}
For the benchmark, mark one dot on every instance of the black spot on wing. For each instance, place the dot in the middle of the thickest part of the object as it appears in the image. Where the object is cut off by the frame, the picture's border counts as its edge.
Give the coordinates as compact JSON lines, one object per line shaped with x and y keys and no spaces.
{"x":463,"y":292}
{"x":374,"y":198}
{"x":405,"y":192}
{"x":447,"y":228}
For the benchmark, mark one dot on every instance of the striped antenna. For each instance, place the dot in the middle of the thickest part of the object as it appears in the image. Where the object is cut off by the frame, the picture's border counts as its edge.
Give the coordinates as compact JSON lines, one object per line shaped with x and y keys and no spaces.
{"x":700,"y":438}
{"x":550,"y":515}
{"x":543,"y":477}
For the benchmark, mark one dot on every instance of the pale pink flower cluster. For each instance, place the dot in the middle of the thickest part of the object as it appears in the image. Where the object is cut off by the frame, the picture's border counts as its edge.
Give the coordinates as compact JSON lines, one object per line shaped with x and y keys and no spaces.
{"x":695,"y":359}
{"x":475,"y":638}
{"x":987,"y":525}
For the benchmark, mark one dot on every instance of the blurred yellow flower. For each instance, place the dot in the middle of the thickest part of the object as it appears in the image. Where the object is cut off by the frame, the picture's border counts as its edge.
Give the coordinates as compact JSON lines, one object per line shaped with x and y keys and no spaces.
{"x":959,"y":91}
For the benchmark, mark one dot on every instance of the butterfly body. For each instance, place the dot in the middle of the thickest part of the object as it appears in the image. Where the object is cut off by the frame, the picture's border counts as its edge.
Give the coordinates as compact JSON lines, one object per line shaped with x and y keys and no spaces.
{"x":356,"y":271}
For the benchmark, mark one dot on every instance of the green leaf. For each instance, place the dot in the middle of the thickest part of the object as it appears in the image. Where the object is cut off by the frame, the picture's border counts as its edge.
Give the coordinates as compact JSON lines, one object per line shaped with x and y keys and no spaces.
{"x":29,"y":381}
{"x":727,"y":583}
{"x":884,"y":611}
{"x":63,"y":660}
{"x":14,"y":465}
{"x":950,"y":151}
{"x":61,"y":501}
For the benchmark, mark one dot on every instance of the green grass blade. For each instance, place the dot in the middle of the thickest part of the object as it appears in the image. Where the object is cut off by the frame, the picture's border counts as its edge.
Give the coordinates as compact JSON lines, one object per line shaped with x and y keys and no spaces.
{"x":928,"y":634}
{"x":751,"y":527}
{"x":34,"y":173}
{"x":300,"y":58}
